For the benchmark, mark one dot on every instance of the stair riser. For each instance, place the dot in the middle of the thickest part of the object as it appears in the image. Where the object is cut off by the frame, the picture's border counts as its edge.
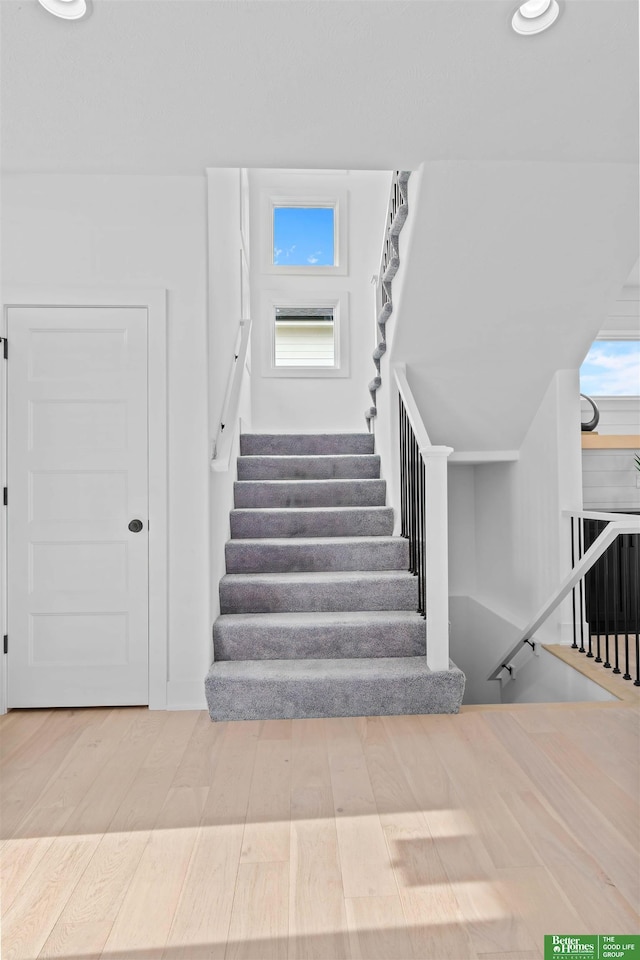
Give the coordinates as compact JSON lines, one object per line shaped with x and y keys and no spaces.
{"x":262,"y":444}
{"x":279,"y":699}
{"x":363,"y":467}
{"x":323,"y":641}
{"x":256,"y":494}
{"x":287,"y":556}
{"x":355,"y":522}
{"x":396,"y":594}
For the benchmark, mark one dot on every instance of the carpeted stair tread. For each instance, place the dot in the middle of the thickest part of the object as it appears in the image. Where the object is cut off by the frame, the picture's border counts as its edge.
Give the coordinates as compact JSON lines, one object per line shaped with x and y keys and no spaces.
{"x":305,"y":443}
{"x":343,"y":466}
{"x":309,"y":493}
{"x":291,"y":554}
{"x":334,"y":590}
{"x":312,"y":522}
{"x":331,"y":634}
{"x":284,"y":689}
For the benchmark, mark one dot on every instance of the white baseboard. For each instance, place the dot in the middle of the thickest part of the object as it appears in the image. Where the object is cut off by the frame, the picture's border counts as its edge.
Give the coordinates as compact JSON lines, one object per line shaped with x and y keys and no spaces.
{"x":186,"y":695}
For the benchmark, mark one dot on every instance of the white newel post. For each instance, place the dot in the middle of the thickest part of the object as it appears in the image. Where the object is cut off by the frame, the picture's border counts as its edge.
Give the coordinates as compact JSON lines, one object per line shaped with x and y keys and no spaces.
{"x":437,"y":555}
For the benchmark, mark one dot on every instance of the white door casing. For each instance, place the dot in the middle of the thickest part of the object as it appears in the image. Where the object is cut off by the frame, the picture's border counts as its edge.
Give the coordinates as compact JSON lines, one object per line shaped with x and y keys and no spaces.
{"x":86,"y":595}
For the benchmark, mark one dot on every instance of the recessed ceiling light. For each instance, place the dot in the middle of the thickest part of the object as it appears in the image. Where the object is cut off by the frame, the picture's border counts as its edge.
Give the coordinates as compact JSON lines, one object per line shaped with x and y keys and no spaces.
{"x":67,"y":9}
{"x":534,"y":16}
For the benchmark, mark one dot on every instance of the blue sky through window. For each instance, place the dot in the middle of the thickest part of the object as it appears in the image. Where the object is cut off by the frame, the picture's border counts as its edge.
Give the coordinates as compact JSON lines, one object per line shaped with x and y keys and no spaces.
{"x":303,"y":236}
{"x":611,"y":369}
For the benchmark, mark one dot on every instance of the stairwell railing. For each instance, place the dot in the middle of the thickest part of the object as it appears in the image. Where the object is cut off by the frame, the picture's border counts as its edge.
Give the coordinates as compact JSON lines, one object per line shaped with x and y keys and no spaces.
{"x":397,"y":212}
{"x":604,"y":584}
{"x":424,"y":520}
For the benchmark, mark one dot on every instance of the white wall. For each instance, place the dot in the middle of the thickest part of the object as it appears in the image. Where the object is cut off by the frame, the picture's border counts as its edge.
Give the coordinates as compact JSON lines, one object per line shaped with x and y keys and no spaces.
{"x":511,"y":272}
{"x":224,"y":281}
{"x":522,"y":542}
{"x":139,"y":231}
{"x":228,"y":236}
{"x":462,"y":529}
{"x":307,"y":404}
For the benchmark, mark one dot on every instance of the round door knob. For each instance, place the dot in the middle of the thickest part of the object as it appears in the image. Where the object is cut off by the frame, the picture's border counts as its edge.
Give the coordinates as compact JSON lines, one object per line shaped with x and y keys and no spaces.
{"x":136,"y":526}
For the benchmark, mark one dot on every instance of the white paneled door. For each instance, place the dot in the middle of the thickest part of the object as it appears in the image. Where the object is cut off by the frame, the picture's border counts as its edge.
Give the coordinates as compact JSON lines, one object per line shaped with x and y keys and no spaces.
{"x":77,"y":468}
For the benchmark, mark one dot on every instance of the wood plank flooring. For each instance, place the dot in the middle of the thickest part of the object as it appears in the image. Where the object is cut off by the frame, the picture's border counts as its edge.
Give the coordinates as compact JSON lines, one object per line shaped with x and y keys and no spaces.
{"x":132,"y":835}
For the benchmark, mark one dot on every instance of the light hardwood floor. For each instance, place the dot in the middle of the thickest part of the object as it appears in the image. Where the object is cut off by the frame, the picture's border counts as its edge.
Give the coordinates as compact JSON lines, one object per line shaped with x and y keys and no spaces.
{"x":132,"y":835}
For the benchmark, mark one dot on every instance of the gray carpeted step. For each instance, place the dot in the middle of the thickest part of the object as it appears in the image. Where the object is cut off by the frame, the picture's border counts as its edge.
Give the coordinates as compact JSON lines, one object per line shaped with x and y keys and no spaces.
{"x":309,"y":493}
{"x":288,"y":555}
{"x":350,"y":590}
{"x":338,"y":467}
{"x":336,"y":635}
{"x":283,"y":689}
{"x":312,"y":522}
{"x":261,"y":444}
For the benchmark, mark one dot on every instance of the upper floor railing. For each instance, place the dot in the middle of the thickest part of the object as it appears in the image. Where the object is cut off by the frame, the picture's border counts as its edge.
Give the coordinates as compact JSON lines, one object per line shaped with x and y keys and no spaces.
{"x":397,"y":212}
{"x":606,"y":606}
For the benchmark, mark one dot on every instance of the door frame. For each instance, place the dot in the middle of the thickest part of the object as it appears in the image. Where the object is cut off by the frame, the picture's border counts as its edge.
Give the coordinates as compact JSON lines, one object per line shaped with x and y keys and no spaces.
{"x":154,"y":300}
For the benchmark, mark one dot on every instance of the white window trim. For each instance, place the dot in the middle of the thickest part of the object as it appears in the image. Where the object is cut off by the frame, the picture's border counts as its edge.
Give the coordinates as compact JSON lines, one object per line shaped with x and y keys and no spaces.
{"x":340,"y":303}
{"x":338,"y":200}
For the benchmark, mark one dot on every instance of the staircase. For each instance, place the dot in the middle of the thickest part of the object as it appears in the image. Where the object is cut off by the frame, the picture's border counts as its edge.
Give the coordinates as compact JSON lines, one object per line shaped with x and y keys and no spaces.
{"x":317,"y":607}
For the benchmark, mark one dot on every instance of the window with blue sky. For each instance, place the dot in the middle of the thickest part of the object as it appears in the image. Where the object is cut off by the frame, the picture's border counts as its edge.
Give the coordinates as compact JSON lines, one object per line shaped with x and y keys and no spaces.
{"x":303,"y":236}
{"x":611,"y":369}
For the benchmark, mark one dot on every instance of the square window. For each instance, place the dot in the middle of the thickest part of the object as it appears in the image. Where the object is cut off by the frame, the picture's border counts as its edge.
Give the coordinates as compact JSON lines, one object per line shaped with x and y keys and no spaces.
{"x":304,"y":337}
{"x":304,"y":236}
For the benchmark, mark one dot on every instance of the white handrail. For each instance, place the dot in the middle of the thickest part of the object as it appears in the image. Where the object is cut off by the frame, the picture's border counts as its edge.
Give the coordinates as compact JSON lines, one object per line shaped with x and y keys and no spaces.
{"x":436,"y":533}
{"x":598,"y":547}
{"x":598,"y":515}
{"x":229,"y":417}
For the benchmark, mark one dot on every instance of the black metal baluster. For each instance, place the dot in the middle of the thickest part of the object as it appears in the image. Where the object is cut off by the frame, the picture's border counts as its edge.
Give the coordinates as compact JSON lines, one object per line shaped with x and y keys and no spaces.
{"x":592,"y":595}
{"x":597,"y":573}
{"x":412,"y":500}
{"x":573,"y":592}
{"x":407,"y":481}
{"x":626,"y":602}
{"x":423,"y":550}
{"x":581,"y":591}
{"x":636,"y":625}
{"x":420,"y":522}
{"x":617,"y":573}
{"x":416,"y":495}
{"x":403,"y":505}
{"x":426,"y":493}
{"x":607,"y":607}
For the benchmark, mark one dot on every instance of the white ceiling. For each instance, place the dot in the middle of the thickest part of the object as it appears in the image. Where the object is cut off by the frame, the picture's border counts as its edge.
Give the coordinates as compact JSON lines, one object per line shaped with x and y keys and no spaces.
{"x":172,"y":86}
